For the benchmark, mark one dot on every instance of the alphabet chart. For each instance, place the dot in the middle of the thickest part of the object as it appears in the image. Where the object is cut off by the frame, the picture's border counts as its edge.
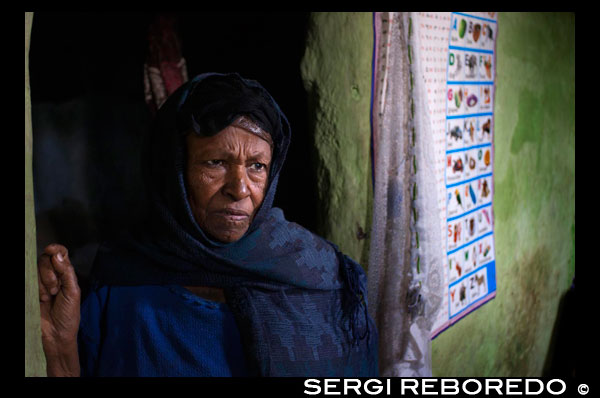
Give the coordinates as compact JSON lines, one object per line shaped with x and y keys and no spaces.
{"x":468,"y":128}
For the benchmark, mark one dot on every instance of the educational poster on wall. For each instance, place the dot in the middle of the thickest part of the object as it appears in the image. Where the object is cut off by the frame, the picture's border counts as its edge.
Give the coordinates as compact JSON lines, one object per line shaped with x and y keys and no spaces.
{"x":466,"y":160}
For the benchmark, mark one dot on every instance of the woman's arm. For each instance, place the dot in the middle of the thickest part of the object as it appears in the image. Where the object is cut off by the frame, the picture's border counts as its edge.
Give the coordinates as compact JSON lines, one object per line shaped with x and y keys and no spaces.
{"x":60,"y":298}
{"x":64,"y":363}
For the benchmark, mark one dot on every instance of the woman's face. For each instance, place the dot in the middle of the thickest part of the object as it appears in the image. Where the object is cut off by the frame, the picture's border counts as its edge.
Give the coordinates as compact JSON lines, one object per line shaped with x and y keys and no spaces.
{"x":226,"y":177}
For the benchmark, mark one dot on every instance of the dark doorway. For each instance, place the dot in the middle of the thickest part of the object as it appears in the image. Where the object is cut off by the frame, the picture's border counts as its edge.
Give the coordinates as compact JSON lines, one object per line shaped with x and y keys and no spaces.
{"x":89,"y":114}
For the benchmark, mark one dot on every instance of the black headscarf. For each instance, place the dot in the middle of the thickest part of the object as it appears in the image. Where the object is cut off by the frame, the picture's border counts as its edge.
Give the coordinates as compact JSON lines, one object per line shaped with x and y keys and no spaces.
{"x":299,"y":302}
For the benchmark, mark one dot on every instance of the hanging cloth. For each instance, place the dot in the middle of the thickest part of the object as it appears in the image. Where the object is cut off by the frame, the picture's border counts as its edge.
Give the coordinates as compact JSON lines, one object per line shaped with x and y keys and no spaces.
{"x":165,"y":68}
{"x":404,"y":263}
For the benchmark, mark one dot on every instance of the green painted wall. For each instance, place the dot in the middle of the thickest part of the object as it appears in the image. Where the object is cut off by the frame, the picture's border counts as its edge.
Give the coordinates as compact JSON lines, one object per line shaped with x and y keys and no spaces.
{"x":336,"y":70}
{"x":35,"y":363}
{"x":534,"y":203}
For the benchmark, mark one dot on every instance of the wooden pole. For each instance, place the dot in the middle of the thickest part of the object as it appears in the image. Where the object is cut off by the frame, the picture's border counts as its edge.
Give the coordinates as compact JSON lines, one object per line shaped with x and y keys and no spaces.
{"x":35,"y":360}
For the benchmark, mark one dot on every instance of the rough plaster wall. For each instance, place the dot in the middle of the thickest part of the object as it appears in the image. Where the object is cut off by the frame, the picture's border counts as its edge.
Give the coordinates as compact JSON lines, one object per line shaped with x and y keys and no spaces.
{"x":534,"y":203}
{"x":534,"y":167}
{"x":35,"y":364}
{"x":336,"y":70}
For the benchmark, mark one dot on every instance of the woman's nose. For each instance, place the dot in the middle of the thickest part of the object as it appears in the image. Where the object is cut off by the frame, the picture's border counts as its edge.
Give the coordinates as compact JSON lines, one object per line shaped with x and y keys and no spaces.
{"x":236,"y":184}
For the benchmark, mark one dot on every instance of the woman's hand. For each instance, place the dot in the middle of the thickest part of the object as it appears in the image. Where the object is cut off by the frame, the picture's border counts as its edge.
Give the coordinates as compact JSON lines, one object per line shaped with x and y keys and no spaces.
{"x":60,"y":298}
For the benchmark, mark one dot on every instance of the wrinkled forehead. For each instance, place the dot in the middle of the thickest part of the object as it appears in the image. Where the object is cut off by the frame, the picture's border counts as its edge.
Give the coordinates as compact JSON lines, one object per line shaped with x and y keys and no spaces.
{"x":245,"y":123}
{"x":231,"y":143}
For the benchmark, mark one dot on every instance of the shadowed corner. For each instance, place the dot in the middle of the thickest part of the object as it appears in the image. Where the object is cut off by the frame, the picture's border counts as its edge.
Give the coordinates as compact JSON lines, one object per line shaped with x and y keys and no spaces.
{"x":79,"y":235}
{"x":562,"y":351}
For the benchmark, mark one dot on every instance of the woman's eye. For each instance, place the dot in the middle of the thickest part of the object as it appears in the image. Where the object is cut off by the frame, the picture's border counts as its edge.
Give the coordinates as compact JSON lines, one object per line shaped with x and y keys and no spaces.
{"x":259,"y":166}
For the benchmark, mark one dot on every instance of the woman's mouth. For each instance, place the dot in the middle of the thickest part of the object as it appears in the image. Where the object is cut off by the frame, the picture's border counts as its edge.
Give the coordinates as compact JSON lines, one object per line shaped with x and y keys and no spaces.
{"x":233,"y":215}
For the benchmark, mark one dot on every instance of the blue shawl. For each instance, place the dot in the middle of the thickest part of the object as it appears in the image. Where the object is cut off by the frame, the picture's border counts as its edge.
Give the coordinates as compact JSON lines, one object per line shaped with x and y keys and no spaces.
{"x":300,"y":304}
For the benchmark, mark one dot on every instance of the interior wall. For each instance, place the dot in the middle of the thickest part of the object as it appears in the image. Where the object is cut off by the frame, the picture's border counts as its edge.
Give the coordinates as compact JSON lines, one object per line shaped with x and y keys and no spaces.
{"x":336,"y":70}
{"x":534,"y":204}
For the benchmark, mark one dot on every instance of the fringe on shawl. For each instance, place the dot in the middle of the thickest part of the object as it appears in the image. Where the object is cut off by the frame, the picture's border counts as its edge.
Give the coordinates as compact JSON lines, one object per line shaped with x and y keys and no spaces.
{"x":354,"y":299}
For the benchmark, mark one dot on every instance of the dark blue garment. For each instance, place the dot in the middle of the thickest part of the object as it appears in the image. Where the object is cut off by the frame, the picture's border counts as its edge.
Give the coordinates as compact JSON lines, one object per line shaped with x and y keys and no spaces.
{"x":157,"y":331}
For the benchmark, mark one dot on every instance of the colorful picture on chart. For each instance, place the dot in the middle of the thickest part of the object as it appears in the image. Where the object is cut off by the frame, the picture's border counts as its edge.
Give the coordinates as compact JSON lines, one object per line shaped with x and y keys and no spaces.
{"x":469,"y":165}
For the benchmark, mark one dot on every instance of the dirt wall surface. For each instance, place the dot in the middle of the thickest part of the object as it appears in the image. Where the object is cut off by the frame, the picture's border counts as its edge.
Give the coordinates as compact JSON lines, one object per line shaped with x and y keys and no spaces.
{"x":336,"y":70}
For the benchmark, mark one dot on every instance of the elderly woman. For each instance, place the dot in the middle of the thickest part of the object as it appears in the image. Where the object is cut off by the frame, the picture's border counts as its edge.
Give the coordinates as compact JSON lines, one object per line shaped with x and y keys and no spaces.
{"x":217,"y":282}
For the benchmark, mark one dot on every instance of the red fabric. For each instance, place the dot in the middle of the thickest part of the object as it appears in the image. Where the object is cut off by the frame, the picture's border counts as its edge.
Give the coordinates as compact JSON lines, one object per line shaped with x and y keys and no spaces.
{"x":165,"y":68}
